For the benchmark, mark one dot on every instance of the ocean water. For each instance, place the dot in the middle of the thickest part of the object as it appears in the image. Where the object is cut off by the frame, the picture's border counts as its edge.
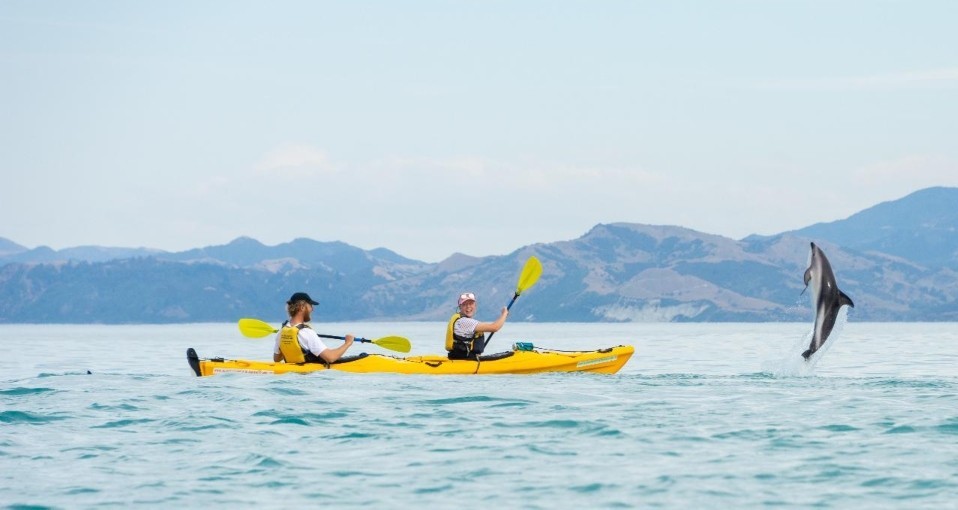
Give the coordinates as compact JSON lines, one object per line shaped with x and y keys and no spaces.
{"x":703,"y":416}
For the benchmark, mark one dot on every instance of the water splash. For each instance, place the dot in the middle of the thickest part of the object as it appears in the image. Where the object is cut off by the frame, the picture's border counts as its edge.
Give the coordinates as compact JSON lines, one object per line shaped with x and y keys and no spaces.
{"x":792,"y":364}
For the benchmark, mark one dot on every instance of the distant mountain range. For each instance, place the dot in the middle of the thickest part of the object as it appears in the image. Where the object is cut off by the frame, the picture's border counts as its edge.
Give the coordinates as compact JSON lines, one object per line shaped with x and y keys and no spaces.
{"x":897,"y":260}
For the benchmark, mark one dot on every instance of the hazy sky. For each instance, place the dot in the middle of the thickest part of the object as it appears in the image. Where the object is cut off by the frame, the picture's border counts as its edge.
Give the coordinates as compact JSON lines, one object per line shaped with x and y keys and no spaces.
{"x":476,"y":126}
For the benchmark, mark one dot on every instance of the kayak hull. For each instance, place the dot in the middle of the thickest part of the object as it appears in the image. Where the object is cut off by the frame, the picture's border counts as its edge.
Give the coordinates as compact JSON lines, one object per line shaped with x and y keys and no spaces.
{"x":538,"y":360}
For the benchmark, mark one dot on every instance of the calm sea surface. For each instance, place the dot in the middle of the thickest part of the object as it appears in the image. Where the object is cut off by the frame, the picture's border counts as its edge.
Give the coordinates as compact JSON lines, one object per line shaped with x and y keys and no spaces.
{"x":703,"y":416}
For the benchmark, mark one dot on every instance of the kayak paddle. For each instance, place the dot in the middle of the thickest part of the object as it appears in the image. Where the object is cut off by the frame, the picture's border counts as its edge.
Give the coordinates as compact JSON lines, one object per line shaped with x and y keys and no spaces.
{"x":255,"y":328}
{"x":529,"y":276}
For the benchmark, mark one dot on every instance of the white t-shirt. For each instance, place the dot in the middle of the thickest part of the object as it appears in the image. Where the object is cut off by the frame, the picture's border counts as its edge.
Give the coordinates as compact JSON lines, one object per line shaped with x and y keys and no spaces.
{"x":307,"y":339}
{"x":465,"y":327}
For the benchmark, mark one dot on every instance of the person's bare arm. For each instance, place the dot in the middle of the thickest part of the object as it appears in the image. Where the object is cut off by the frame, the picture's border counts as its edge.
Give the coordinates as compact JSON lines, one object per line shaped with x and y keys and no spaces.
{"x":492,"y":327}
{"x":331,"y":355}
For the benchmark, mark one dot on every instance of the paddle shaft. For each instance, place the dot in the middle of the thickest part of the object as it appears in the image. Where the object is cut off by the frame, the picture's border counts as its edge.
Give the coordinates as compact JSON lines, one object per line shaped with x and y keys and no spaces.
{"x":514,"y":298}
{"x":529,"y":276}
{"x":361,"y":340}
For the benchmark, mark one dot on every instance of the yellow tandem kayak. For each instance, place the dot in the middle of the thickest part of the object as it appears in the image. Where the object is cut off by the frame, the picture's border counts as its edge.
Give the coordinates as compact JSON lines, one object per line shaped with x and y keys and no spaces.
{"x":536,"y":360}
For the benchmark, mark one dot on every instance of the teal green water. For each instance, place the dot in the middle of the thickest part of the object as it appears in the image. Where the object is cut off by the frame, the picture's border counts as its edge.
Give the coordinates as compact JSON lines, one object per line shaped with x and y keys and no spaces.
{"x":705,"y":415}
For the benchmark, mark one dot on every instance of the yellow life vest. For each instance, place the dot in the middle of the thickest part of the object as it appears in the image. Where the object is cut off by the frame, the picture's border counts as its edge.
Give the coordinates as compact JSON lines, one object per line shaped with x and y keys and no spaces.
{"x":289,"y":344}
{"x":465,"y":344}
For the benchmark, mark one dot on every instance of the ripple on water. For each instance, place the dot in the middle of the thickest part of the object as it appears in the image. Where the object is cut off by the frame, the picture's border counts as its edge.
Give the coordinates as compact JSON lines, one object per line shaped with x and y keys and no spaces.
{"x":346,"y":437}
{"x":21,"y":391}
{"x":907,"y":383}
{"x":435,"y":489}
{"x":588,"y":488}
{"x":122,"y":424}
{"x":551,"y":424}
{"x":306,"y":419}
{"x":949,"y":427}
{"x":194,"y":424}
{"x":901,"y":429}
{"x":27,"y":418}
{"x":838,"y":427}
{"x":121,"y":407}
{"x":552,"y":450}
{"x":289,"y":390}
{"x":460,"y":400}
{"x":747,"y":434}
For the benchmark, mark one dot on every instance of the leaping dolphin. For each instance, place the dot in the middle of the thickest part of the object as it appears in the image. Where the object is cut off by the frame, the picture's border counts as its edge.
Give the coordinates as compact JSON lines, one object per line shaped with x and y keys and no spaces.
{"x":828,"y":299}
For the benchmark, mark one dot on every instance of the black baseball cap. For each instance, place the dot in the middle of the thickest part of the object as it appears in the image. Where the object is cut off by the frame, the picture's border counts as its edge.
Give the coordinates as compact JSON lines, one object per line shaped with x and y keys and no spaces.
{"x":301,"y":296}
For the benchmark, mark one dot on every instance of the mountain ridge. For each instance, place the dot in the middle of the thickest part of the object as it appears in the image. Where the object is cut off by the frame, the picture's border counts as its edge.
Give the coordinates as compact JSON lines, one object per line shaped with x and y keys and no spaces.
{"x":613,"y":272}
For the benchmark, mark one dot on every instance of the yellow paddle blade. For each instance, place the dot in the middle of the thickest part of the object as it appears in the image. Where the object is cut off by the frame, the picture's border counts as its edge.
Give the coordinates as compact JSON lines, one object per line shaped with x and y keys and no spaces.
{"x":393,"y":343}
{"x":530,"y":275}
{"x":255,"y":328}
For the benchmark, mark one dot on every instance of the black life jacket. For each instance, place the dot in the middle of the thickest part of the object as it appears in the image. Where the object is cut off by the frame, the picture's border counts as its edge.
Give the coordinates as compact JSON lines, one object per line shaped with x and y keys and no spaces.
{"x":460,"y":346}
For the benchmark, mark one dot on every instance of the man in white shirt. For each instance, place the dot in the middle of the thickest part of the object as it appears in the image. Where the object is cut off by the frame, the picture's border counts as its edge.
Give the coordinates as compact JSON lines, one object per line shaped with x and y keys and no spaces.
{"x":300,"y":308}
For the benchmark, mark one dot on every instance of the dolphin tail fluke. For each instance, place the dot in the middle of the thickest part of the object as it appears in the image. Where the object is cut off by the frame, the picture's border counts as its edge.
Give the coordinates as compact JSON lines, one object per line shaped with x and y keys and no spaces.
{"x":844,"y":300}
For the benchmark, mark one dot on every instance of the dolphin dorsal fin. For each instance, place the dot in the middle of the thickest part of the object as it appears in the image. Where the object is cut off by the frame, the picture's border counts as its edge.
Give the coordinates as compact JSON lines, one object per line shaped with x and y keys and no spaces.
{"x":843,"y":299}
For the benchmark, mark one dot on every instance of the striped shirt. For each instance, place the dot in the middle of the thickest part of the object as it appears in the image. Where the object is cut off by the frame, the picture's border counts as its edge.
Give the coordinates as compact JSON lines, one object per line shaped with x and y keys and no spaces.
{"x":465,"y":327}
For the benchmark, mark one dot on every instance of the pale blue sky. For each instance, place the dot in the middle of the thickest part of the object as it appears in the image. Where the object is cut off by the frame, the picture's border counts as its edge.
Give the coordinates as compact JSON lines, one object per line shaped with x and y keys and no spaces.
{"x":478,"y":127}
